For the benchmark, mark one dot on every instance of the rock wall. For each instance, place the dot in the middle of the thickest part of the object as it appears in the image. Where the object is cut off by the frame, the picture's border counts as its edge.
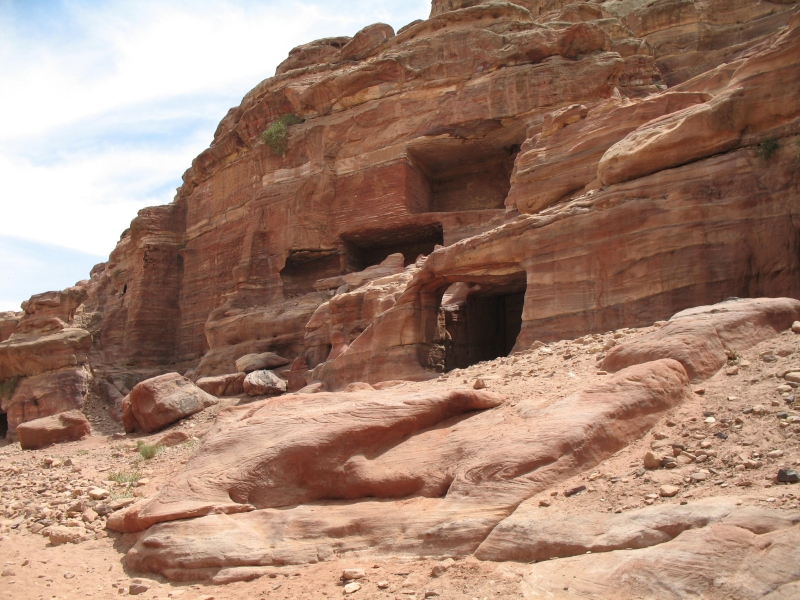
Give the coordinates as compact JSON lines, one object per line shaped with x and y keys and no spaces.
{"x":573,"y":166}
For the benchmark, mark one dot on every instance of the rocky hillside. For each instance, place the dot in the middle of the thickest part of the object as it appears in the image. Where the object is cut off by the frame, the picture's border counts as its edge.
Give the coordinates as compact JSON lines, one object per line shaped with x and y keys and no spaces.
{"x":400,"y":210}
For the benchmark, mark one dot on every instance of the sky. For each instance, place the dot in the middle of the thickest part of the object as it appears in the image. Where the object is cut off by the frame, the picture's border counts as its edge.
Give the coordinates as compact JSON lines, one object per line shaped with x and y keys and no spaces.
{"x":105,"y":103}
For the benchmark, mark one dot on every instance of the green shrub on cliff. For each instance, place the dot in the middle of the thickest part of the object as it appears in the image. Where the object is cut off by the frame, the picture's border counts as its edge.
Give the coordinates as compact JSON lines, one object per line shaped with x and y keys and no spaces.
{"x":7,"y":388}
{"x":275,"y":136}
{"x":767,"y":148}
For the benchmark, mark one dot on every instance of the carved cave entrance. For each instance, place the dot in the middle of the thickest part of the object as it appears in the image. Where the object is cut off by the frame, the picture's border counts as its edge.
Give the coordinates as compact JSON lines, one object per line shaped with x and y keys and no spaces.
{"x":366,"y":248}
{"x":480,"y":322}
{"x":304,"y":267}
{"x":456,"y":174}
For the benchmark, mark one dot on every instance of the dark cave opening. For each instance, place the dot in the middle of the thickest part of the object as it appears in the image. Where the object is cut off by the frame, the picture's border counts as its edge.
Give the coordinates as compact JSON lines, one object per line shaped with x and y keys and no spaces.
{"x":484,"y":326}
{"x":366,"y":248}
{"x":464,"y":174}
{"x":303,"y":268}
{"x":3,"y":425}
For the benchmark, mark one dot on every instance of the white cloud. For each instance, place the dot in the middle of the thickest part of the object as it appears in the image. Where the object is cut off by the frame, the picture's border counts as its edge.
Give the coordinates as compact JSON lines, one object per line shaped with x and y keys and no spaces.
{"x":71,"y":94}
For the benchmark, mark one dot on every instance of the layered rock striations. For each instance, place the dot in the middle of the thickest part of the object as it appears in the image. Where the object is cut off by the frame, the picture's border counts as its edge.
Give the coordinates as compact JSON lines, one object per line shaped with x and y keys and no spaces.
{"x":466,"y":188}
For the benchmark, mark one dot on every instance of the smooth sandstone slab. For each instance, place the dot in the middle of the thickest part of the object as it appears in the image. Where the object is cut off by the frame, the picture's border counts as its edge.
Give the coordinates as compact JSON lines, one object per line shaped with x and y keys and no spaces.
{"x":453,"y":474}
{"x":744,"y":556}
{"x":533,"y":534}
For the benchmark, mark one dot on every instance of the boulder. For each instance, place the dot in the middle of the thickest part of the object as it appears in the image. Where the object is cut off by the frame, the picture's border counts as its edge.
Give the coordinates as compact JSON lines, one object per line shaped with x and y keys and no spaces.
{"x":259,"y":362}
{"x":65,"y":427}
{"x":155,"y":403}
{"x":223,"y":385}
{"x":264,"y":383}
{"x":44,"y":395}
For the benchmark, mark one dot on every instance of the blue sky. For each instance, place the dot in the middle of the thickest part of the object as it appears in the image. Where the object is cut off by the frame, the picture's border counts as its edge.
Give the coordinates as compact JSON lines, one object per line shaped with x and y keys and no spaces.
{"x":106,"y":103}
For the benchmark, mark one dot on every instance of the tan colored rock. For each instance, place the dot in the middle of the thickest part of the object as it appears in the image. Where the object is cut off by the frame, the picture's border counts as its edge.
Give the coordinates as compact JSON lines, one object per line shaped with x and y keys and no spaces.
{"x":59,"y":535}
{"x":668,"y":491}
{"x":358,"y":386}
{"x":173,"y":438}
{"x":264,"y":383}
{"x":651,"y":461}
{"x":65,"y":427}
{"x":155,"y":403}
{"x":260,"y":362}
{"x":223,"y":385}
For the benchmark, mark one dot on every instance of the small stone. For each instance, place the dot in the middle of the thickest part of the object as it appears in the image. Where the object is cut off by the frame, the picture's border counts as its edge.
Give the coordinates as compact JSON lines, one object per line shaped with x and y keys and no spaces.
{"x":382,"y":585}
{"x":443,"y":566}
{"x":721,"y":435}
{"x":352,"y":588}
{"x":710,"y":420}
{"x":479,"y":384}
{"x":137,"y":588}
{"x":98,"y":493}
{"x":775,"y":453}
{"x":69,"y":575}
{"x":698,"y":477}
{"x":431,"y":593}
{"x":788,"y":476}
{"x":544,"y":503}
{"x":651,"y":461}
{"x":575,"y":490}
{"x":8,"y":573}
{"x":700,"y":391}
{"x":353,"y":574}
{"x":668,"y":491}
{"x":794,"y":377}
{"x":734,"y":370}
{"x":89,"y":516}
{"x":796,"y":327}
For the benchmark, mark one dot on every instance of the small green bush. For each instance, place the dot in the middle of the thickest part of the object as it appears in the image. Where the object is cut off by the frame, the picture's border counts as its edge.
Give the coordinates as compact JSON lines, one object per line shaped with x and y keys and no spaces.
{"x":276,"y":135}
{"x":767,"y":148}
{"x":7,"y":388}
{"x":149,"y":451}
{"x":125,"y":476}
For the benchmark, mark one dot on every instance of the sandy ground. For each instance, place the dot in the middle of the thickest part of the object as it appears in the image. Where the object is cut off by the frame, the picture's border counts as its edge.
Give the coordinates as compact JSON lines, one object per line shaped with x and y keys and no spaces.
{"x":742,"y":460}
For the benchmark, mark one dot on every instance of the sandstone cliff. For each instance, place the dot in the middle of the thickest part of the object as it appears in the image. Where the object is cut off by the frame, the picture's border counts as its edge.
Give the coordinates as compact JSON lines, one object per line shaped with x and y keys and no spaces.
{"x":574,"y":167}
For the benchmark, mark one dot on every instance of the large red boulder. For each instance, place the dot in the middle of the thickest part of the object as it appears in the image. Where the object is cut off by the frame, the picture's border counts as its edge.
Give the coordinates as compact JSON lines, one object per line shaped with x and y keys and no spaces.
{"x":66,"y":427}
{"x":155,"y":403}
